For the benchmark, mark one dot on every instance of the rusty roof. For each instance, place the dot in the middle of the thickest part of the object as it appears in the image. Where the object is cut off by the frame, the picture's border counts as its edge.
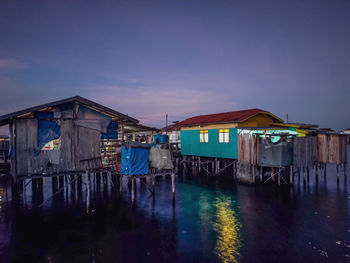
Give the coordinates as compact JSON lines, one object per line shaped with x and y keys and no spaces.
{"x":225,"y":117}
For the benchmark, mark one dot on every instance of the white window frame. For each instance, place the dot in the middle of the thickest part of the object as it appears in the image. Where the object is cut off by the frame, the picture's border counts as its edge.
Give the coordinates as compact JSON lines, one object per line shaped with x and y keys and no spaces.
{"x":203,"y":136}
{"x":224,"y":136}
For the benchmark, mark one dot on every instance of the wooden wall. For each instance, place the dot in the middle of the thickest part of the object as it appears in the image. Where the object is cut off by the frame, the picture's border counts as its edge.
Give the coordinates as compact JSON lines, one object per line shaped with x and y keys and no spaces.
{"x":305,"y":151}
{"x":79,"y":149}
{"x":248,"y":148}
{"x":332,"y":148}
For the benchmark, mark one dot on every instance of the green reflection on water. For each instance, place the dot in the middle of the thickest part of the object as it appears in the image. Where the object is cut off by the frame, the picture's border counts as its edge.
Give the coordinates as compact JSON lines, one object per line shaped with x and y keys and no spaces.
{"x":227,"y":227}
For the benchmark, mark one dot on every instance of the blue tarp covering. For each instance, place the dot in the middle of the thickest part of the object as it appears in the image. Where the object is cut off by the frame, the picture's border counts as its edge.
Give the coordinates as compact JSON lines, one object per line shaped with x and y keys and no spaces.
{"x":47,"y":131}
{"x":44,"y":115}
{"x":112,"y":131}
{"x":134,"y":161}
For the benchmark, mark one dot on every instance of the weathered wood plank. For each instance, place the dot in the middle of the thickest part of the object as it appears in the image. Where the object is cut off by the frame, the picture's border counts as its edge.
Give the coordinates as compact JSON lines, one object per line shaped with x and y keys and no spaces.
{"x":21,"y":144}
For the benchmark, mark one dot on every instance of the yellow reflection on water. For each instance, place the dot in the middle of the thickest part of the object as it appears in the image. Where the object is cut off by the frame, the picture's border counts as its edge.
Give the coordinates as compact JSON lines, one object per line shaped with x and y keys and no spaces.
{"x":227,"y":226}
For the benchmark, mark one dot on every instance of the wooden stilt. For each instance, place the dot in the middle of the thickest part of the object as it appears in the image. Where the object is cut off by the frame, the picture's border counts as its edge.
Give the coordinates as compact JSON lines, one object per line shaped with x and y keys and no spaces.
{"x":76,"y":188}
{"x":345,"y":176}
{"x":199,"y":165}
{"x":133,"y":190}
{"x":273,"y":175}
{"x":291,"y":175}
{"x":173,"y":185}
{"x":307,"y":174}
{"x":337,"y":167}
{"x":261,"y":175}
{"x":279,"y":177}
{"x":253,"y":173}
{"x":153,"y":185}
{"x":304,"y":175}
{"x":324,"y":170}
{"x":87,"y":192}
{"x":316,"y":173}
{"x":120,"y":183}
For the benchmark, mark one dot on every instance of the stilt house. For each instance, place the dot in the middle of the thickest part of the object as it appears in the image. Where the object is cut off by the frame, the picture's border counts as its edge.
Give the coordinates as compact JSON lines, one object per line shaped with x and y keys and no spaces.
{"x":216,"y":135}
{"x":63,"y":136}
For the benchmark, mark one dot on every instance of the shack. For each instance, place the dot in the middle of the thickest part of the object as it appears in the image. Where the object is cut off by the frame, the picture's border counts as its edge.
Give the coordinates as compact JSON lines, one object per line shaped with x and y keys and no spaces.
{"x":65,"y":136}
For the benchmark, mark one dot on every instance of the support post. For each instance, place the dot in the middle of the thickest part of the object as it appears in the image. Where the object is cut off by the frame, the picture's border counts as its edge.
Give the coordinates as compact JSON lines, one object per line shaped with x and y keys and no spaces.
{"x":121,"y":183}
{"x":345,"y":176}
{"x":291,"y":175}
{"x":337,"y":167}
{"x":279,"y":177}
{"x":133,"y":189}
{"x":173,"y":185}
{"x":253,"y":172}
{"x":87,"y":192}
{"x":153,"y":184}
{"x":261,"y":175}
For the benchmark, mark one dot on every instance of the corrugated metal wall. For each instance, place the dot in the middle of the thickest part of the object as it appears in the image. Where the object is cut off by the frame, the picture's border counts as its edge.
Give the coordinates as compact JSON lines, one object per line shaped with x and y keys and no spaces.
{"x":190,"y":144}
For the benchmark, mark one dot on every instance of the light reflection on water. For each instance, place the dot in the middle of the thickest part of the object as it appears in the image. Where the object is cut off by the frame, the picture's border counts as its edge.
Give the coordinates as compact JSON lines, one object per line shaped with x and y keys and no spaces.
{"x":227,"y":227}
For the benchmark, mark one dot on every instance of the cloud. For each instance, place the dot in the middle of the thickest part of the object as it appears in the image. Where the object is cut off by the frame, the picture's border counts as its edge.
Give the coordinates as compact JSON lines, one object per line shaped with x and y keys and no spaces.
{"x":150,"y":104}
{"x":10,"y":63}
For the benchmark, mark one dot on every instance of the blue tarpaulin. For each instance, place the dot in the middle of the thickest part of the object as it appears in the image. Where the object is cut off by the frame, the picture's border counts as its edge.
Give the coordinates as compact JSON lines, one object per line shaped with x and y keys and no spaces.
{"x":112,"y":131}
{"x":47,"y":131}
{"x":134,"y":161}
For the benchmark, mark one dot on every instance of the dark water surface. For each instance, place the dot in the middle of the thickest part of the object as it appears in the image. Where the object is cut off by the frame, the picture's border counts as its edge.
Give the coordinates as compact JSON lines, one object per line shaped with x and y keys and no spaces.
{"x":212,"y":220}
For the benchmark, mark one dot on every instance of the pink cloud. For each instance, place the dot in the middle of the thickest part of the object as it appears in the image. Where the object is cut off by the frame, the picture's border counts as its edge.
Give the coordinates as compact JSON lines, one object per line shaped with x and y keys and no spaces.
{"x":150,"y":104}
{"x":11,"y":63}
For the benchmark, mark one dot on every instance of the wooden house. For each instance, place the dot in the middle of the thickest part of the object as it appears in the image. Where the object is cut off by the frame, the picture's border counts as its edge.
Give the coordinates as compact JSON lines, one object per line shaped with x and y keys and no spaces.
{"x":64,"y":136}
{"x":216,"y":135}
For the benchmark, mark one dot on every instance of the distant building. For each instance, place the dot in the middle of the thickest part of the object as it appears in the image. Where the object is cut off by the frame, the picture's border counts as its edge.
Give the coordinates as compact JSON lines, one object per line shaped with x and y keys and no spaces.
{"x":346,"y":131}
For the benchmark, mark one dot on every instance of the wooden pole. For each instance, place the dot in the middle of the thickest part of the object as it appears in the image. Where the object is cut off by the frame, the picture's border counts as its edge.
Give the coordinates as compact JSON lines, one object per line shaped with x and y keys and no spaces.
{"x":337,"y":167}
{"x":316,"y":173}
{"x":261,"y":175}
{"x":253,"y":172}
{"x":173,"y":185}
{"x":87,"y":192}
{"x":133,"y":189}
{"x":279,"y":177}
{"x":325,"y":170}
{"x":344,"y":166}
{"x":120,"y":183}
{"x":153,"y":184}
{"x":199,"y":165}
{"x":291,"y":175}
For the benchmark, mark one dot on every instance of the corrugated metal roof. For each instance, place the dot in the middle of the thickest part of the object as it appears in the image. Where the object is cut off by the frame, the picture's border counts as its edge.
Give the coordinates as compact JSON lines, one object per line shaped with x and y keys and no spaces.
{"x":226,"y":117}
{"x":5,"y":119}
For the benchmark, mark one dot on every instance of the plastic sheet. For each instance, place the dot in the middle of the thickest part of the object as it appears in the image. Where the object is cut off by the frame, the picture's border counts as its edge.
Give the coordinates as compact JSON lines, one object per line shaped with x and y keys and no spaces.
{"x":47,"y":131}
{"x":134,"y":161}
{"x":112,"y":131}
{"x":91,"y":119}
{"x":160,"y":158}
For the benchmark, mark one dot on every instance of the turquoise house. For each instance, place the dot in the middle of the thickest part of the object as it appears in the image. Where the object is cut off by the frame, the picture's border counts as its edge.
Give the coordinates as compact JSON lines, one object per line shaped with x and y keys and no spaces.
{"x":216,"y":135}
{"x":191,"y":145}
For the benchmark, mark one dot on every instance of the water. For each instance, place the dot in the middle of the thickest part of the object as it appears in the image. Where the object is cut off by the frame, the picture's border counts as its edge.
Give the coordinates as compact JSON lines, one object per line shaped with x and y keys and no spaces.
{"x":211,"y":220}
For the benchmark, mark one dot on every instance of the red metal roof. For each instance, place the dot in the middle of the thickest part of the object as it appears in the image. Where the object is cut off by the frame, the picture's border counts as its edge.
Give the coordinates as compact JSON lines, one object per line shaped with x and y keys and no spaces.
{"x":226,"y":117}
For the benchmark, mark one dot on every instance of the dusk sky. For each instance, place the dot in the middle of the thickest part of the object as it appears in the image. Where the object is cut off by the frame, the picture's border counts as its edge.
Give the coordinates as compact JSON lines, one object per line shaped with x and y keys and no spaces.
{"x":184,"y":58}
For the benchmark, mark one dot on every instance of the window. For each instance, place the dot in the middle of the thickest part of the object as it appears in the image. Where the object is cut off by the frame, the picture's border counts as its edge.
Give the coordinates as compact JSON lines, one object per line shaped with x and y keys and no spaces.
{"x":203,"y":136}
{"x":224,"y":136}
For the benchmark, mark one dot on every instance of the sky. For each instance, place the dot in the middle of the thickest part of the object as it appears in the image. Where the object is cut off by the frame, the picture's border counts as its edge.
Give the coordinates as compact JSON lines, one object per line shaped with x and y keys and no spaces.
{"x":180,"y":57}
